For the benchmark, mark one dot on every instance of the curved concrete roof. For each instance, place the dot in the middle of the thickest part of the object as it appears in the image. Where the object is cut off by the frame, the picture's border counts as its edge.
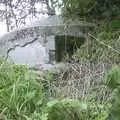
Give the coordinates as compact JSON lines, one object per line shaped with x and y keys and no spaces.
{"x":53,"y":25}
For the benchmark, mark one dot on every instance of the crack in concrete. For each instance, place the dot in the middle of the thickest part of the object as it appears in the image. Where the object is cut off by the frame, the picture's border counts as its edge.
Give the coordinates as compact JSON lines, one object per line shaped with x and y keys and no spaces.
{"x":14,"y":47}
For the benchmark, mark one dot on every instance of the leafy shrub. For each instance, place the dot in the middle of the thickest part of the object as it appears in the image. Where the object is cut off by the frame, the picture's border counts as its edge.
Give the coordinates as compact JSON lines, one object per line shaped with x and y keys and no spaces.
{"x":113,"y":77}
{"x":66,"y":109}
{"x":115,"y":24}
{"x":97,"y":109}
{"x":113,"y":81}
{"x":20,"y":95}
{"x":70,"y":109}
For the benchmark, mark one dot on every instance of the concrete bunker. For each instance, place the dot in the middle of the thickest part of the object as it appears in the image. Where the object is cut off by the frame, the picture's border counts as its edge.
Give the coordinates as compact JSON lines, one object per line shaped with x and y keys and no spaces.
{"x":46,"y":41}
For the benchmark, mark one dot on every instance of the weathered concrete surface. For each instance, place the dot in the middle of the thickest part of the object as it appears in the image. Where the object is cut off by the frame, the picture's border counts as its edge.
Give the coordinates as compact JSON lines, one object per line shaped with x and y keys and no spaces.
{"x":30,"y":55}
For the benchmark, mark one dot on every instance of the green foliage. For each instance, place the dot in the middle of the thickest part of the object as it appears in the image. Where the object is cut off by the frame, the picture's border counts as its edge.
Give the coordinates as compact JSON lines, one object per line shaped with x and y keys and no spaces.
{"x":101,"y":48}
{"x":115,"y":24}
{"x":66,"y":109}
{"x":20,"y":95}
{"x":113,"y":81}
{"x":23,"y":98}
{"x":113,"y":77}
{"x":98,"y":9}
{"x":105,"y":9}
{"x":73,"y":8}
{"x":98,"y":109}
{"x":71,"y":109}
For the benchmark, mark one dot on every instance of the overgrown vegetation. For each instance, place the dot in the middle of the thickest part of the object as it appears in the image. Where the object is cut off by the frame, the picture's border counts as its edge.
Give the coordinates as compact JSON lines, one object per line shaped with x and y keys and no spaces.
{"x":94,"y":9}
{"x":103,"y":42}
{"x":113,"y":81}
{"x":21,"y":95}
{"x":25,"y":97}
{"x":81,"y":92}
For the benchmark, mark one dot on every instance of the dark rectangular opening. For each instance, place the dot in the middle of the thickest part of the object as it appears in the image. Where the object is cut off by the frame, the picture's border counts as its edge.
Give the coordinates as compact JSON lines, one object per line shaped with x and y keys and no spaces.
{"x":66,"y":45}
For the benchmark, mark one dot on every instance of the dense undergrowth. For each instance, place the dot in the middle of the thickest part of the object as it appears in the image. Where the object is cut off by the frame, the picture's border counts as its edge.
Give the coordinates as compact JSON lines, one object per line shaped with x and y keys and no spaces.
{"x":20,"y":95}
{"x":71,"y":96}
{"x":103,"y":43}
{"x":23,"y":97}
{"x":113,"y":81}
{"x":103,"y":46}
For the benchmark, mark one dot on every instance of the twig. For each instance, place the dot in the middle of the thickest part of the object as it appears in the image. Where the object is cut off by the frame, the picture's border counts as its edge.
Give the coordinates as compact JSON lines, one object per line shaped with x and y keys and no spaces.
{"x":13,"y":48}
{"x":110,"y":47}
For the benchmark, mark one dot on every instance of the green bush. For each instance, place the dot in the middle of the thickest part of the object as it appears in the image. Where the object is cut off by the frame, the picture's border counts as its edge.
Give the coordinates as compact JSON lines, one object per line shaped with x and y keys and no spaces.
{"x":70,"y":109}
{"x":113,"y":81}
{"x":23,"y":98}
{"x":20,"y":95}
{"x":115,"y":24}
{"x":97,"y":110}
{"x":113,"y":78}
{"x":66,"y":109}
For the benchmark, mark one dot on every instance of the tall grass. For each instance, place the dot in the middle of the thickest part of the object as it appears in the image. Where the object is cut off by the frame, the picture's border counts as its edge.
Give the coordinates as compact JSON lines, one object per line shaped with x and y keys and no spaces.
{"x":20,"y":95}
